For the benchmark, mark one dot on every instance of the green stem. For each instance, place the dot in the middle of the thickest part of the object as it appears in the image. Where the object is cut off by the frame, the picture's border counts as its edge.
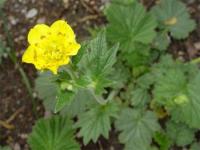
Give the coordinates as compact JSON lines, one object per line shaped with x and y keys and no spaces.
{"x":99,"y":99}
{"x":111,"y":95}
{"x":73,"y":74}
{"x":29,"y":88}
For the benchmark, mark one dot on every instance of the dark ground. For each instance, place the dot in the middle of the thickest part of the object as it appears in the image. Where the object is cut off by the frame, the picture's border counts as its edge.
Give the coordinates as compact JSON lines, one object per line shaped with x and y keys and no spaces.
{"x":15,"y":103}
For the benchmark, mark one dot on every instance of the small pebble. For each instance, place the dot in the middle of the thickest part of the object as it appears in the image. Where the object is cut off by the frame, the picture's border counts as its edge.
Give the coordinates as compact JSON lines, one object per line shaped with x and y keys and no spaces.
{"x":31,"y":13}
{"x":197,"y":45}
{"x":23,"y":11}
{"x":35,"y":95}
{"x":66,"y":3}
{"x":13,"y":20}
{"x":41,"y":20}
{"x":19,"y":90}
{"x":23,"y":136}
{"x":18,"y":102}
{"x":16,"y":147}
{"x":180,"y":53}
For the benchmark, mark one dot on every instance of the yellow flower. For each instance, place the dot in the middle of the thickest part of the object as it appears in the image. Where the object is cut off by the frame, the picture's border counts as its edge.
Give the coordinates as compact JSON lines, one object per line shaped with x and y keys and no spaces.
{"x":51,"y":46}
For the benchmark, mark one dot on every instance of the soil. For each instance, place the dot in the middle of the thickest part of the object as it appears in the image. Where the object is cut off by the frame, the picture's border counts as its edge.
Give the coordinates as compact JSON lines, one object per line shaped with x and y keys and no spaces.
{"x":15,"y":103}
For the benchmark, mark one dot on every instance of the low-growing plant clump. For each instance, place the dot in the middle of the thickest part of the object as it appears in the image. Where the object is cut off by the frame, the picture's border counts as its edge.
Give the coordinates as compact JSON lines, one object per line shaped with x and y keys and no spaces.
{"x":123,"y":79}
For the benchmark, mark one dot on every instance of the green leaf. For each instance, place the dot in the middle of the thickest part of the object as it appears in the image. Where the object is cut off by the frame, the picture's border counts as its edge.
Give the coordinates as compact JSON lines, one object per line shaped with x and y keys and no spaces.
{"x":77,"y":58}
{"x":2,"y":2}
{"x":177,"y":89}
{"x":169,"y":86}
{"x":126,"y":95}
{"x":145,"y":81}
{"x":163,"y":140}
{"x":137,"y":127}
{"x":63,"y":98}
{"x":171,"y":81}
{"x":96,"y":121}
{"x":99,"y":53}
{"x":82,"y":101}
{"x":188,"y":111}
{"x":55,"y":133}
{"x":180,"y":134}
{"x":139,"y":56}
{"x":195,"y":146}
{"x":140,"y":97}
{"x":136,"y":146}
{"x":173,"y":16}
{"x":5,"y":148}
{"x":153,"y":148}
{"x":130,"y":24}
{"x":162,"y":41}
{"x":134,"y":28}
{"x":121,"y":75}
{"x":46,"y":89}
{"x":94,"y":31}
{"x":97,"y":62}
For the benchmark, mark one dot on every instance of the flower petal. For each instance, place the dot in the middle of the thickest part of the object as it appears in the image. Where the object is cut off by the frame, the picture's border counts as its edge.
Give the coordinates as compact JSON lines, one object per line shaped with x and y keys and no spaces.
{"x":61,"y":27}
{"x":73,"y":49}
{"x":29,"y":55}
{"x":38,"y":33}
{"x":54,"y":69}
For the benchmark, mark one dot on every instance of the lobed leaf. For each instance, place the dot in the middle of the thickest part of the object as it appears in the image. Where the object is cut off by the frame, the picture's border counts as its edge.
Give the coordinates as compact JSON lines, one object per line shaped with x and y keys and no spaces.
{"x":173,"y":16}
{"x":180,"y":134}
{"x":96,"y":121}
{"x":176,"y":88}
{"x":195,"y":146}
{"x":63,"y":98}
{"x":137,"y":127}
{"x":46,"y":89}
{"x":188,"y":111}
{"x":140,"y":97}
{"x":55,"y":133}
{"x":82,"y":101}
{"x":97,"y":63}
{"x":130,"y":24}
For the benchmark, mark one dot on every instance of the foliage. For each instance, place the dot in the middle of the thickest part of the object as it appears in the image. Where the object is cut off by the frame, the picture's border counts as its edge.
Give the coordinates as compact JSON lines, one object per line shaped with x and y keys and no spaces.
{"x":180,"y":134}
{"x":96,"y":122}
{"x":176,"y":89}
{"x":137,"y":127}
{"x":2,"y":2}
{"x":98,"y":73}
{"x":188,"y":104}
{"x":55,"y":133}
{"x":133,"y":28}
{"x":173,"y":16}
{"x":140,"y":97}
{"x":137,"y":27}
{"x":44,"y":84}
{"x":5,"y":148}
{"x":123,"y":79}
{"x":195,"y":146}
{"x":162,"y":140}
